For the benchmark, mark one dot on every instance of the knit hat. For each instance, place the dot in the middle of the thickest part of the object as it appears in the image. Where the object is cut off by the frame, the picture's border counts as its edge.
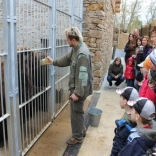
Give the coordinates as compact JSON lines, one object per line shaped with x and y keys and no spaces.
{"x":129,"y":93}
{"x":153,"y":57}
{"x":145,"y":108}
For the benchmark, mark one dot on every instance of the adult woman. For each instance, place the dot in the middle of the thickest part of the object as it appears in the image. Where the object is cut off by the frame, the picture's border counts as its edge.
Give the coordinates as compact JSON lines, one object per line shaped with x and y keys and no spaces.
{"x":138,"y":55}
{"x":130,"y":47}
{"x":147,"y":47}
{"x":115,"y":73}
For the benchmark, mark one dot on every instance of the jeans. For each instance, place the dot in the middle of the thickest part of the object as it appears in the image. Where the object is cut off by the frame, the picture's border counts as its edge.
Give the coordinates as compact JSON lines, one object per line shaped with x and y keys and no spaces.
{"x":130,"y":82}
{"x":118,"y":81}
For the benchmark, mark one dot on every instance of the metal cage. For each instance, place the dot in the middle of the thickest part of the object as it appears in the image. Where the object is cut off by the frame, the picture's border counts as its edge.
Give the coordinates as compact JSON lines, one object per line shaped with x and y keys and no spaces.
{"x":32,"y":95}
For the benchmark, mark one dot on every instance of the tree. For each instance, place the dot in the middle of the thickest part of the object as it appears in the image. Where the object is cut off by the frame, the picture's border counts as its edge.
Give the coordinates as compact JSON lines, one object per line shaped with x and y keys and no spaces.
{"x":129,"y":16}
{"x":151,"y":12}
{"x":134,"y":11}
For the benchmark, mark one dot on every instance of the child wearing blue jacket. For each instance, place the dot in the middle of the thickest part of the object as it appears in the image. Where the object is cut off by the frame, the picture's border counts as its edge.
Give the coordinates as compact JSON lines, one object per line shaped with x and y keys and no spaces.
{"x":143,"y":136}
{"x":125,"y":124}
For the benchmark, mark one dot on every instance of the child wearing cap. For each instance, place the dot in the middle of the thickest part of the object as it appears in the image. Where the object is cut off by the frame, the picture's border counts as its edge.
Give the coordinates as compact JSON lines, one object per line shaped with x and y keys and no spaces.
{"x":143,"y":136}
{"x":144,"y":71}
{"x":146,"y":90}
{"x":125,"y":124}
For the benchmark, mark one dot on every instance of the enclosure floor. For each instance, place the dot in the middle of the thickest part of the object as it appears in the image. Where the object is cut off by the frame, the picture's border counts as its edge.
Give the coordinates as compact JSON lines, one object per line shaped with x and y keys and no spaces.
{"x":53,"y":141}
{"x":98,"y":140}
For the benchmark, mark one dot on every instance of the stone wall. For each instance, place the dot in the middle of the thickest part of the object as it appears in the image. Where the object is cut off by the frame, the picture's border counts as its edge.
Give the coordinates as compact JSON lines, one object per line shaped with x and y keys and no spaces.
{"x":98,"y":25}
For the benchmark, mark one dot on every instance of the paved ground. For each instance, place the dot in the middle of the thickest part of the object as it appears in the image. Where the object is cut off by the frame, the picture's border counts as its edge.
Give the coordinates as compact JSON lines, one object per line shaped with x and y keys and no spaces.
{"x":98,"y":141}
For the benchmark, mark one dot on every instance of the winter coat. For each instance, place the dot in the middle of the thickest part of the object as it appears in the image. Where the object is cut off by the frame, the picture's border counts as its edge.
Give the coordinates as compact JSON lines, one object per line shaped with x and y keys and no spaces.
{"x":129,"y":50}
{"x":128,"y":119}
{"x":129,"y":71}
{"x":115,"y":69}
{"x":79,"y":70}
{"x":145,"y":91}
{"x":122,"y":131}
{"x":140,"y":57}
{"x":139,"y":141}
{"x":147,"y":50}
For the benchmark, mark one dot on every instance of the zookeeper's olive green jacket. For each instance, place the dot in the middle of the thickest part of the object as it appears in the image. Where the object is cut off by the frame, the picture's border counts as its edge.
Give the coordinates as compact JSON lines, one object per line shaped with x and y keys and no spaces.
{"x":79,"y":61}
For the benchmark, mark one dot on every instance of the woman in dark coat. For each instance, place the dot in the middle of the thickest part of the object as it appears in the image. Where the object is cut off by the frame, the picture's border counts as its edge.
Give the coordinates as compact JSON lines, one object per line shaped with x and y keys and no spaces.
{"x":130,"y":47}
{"x":115,"y":73}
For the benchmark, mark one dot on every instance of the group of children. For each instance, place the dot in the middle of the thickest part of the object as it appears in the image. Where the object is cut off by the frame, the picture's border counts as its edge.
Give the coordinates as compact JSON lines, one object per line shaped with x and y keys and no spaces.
{"x":135,"y":132}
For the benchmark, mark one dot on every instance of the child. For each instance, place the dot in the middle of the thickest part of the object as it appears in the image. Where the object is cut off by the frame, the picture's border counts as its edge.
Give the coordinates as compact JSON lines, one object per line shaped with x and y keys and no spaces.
{"x":124,"y":125}
{"x":129,"y":72}
{"x":143,"y":136}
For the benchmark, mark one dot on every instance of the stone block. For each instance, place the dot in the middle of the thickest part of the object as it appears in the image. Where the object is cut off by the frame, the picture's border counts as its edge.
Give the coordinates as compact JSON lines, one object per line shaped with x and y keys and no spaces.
{"x":100,"y":26}
{"x":92,"y":50}
{"x":98,"y":54}
{"x":101,"y":18}
{"x":85,"y":39}
{"x":97,"y":66}
{"x":93,"y":40}
{"x":96,"y":59}
{"x":96,"y":80}
{"x":92,"y":26}
{"x":96,"y":34}
{"x":99,"y":40}
{"x":97,"y":73}
{"x":91,"y":13}
{"x":93,"y":45}
{"x":97,"y":21}
{"x":95,"y":7}
{"x":85,"y":33}
{"x":100,"y":13}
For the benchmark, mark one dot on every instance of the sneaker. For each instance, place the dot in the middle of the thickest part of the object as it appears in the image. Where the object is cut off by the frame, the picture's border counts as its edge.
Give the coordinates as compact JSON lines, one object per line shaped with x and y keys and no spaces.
{"x":117,"y":87}
{"x":110,"y":87}
{"x":73,"y":141}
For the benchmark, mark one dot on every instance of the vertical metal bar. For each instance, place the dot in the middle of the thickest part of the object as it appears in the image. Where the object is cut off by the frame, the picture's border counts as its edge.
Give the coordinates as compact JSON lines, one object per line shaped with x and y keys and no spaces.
{"x":22,"y":14}
{"x":72,"y":12}
{"x":31,"y":24}
{"x":12,"y":79}
{"x":32,"y":103}
{"x":52,"y":43}
{"x":5,"y":13}
{"x":39,"y":67}
{"x":36,"y":75}
{"x":81,"y":14}
{"x":2,"y":105}
{"x":34,"y":66}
